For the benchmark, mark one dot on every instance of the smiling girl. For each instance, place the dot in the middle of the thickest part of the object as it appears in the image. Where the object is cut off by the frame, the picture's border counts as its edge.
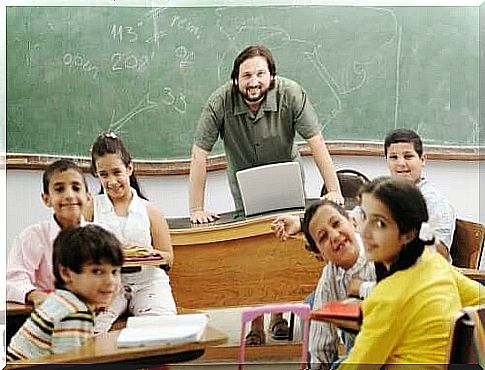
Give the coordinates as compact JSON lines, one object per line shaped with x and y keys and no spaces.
{"x":122,"y":209}
{"x":408,"y":315}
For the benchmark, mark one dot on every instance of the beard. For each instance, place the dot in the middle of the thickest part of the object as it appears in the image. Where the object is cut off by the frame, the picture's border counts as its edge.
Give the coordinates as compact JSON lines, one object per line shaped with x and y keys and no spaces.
{"x":253,"y":94}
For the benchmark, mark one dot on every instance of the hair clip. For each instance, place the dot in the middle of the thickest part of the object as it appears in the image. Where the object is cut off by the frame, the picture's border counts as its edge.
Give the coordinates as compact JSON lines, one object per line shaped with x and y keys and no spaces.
{"x":427,"y":230}
{"x":426,"y":233}
{"x":111,"y":135}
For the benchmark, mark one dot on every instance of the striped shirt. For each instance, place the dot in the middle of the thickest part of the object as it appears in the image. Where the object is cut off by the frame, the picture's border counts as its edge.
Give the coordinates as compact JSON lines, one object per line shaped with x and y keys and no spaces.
{"x":62,"y":323}
{"x":332,"y":286}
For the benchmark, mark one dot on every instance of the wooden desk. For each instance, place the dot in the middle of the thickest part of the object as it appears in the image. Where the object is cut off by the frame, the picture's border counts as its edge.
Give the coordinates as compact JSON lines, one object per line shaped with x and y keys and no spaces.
{"x":237,"y":261}
{"x":473,"y":274}
{"x":103,"y":350}
{"x":17,"y":309}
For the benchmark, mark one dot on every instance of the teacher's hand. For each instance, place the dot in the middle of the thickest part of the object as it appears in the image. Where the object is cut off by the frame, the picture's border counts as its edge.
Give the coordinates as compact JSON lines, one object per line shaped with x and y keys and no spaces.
{"x":335,"y":197}
{"x":202,"y":217}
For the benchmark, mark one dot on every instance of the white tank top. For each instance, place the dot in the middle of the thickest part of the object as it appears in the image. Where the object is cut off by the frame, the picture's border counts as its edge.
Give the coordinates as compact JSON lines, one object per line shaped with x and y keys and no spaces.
{"x":134,"y":227}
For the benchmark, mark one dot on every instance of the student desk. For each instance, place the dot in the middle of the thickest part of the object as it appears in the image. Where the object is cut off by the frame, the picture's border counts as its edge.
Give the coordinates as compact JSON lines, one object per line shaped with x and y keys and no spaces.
{"x":102,"y":352}
{"x":237,"y":261}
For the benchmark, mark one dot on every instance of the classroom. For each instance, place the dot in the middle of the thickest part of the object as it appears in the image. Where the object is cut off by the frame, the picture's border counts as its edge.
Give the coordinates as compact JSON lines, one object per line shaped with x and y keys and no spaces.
{"x":144,"y":69}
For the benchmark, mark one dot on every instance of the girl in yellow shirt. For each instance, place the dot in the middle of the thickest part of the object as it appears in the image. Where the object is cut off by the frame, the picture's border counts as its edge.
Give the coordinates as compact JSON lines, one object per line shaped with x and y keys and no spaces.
{"x":408,"y":315}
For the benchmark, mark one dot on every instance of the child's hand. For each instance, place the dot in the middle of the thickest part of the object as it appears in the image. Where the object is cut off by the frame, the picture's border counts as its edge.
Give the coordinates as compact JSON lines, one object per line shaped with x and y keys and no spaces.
{"x":165,"y":256}
{"x":286,"y":225}
{"x":36,"y":297}
{"x":354,"y":287}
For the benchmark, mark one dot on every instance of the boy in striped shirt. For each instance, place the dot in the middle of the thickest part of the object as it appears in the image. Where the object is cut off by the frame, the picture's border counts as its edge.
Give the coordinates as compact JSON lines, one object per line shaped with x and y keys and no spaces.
{"x":86,"y":263}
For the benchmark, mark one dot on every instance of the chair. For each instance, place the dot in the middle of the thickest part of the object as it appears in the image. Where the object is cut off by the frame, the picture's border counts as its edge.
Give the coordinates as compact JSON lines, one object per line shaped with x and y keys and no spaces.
{"x":350,"y":182}
{"x":248,"y":315}
{"x":467,"y":344}
{"x":467,"y":245}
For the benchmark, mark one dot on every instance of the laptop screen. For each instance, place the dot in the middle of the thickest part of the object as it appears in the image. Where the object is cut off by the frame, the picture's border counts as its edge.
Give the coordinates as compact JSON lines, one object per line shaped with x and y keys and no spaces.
{"x":271,"y":187}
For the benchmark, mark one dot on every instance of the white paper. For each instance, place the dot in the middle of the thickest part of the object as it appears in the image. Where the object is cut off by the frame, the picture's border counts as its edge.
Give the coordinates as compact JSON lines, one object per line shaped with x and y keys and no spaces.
{"x":157,"y":330}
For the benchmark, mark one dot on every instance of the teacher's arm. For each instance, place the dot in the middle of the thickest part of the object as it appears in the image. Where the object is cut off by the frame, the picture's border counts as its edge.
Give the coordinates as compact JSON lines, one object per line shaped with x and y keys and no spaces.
{"x":324,"y":162}
{"x":197,"y":182}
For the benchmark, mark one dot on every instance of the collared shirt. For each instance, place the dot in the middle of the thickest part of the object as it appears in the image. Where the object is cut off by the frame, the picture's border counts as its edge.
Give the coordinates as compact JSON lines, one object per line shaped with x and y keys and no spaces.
{"x":255,"y":139}
{"x":135,"y":227}
{"x":63,"y":322}
{"x":333,"y":285}
{"x":29,"y":264}
{"x":440,"y":211}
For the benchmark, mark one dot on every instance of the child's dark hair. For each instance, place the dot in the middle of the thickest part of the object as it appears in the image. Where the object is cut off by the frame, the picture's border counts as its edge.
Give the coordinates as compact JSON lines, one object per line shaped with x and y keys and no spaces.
{"x":60,"y":165}
{"x":408,"y":209}
{"x":403,"y":135}
{"x":310,"y":212}
{"x":110,"y":143}
{"x":74,"y":247}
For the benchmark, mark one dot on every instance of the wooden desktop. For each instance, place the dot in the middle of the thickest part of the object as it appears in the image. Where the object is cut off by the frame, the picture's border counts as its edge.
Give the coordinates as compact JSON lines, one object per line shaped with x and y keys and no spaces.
{"x":102,"y":350}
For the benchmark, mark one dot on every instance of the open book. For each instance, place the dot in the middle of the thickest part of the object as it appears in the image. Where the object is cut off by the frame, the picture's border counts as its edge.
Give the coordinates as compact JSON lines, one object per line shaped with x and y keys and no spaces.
{"x":155,"y":330}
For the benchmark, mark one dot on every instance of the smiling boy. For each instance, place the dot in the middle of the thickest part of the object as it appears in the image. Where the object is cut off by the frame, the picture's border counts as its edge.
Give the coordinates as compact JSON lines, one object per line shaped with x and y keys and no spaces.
{"x":29,"y":266}
{"x":403,"y":150}
{"x":87,"y":262}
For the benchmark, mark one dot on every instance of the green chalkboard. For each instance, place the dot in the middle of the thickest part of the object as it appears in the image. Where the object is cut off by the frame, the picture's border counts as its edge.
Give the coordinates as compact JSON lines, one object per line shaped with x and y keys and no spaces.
{"x":73,"y":72}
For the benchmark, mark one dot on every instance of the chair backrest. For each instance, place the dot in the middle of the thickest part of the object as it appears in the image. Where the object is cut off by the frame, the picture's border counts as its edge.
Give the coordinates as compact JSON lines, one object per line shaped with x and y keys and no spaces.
{"x":350,"y":181}
{"x":467,"y":245}
{"x":467,"y":344}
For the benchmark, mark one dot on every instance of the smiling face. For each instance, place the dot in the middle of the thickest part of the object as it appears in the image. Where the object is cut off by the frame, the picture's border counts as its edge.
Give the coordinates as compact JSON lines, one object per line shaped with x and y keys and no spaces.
{"x":334,"y":237}
{"x":114,"y":176}
{"x":380,"y":233}
{"x":67,"y":196}
{"x":254,"y":79}
{"x":404,"y":161}
{"x":96,"y":284}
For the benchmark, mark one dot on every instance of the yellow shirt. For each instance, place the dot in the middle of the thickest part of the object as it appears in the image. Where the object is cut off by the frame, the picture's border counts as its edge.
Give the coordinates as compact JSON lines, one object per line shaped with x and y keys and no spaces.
{"x":407,"y":317}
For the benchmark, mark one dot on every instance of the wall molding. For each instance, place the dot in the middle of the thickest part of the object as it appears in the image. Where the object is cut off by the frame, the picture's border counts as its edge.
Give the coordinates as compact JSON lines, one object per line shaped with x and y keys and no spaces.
{"x":218,"y":162}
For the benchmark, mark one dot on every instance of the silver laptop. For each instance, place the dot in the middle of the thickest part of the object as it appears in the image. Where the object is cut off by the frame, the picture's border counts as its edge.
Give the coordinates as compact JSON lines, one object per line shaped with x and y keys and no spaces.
{"x":271,"y":187}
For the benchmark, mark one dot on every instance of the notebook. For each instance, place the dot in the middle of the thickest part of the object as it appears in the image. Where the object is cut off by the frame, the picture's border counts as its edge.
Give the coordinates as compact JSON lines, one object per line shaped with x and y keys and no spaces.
{"x":157,"y":330}
{"x":348,"y":309}
{"x":271,"y":187}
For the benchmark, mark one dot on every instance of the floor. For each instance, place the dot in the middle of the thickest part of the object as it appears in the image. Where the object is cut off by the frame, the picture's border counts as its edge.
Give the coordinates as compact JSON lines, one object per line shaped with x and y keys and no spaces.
{"x":229,"y":321}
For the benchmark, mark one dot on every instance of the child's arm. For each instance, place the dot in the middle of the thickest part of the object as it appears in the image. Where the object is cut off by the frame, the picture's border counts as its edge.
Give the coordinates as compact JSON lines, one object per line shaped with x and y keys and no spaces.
{"x":25,"y":259}
{"x":160,"y":233}
{"x":36,"y":297}
{"x":88,"y":212}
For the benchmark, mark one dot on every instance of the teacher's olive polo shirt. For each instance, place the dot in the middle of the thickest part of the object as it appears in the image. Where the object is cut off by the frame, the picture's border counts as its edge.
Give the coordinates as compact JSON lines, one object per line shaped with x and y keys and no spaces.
{"x":251,"y":139}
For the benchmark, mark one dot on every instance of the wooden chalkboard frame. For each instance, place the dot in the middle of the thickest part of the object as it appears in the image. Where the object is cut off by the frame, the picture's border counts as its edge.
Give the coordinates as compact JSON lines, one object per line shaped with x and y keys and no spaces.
{"x":218,"y":162}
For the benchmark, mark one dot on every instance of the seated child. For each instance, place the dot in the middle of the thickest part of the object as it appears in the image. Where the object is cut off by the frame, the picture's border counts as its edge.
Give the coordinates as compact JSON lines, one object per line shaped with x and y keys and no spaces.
{"x":331,"y":235}
{"x":121,"y":208}
{"x":86,"y":263}
{"x":29,"y":267}
{"x":407,"y":317}
{"x":403,"y":150}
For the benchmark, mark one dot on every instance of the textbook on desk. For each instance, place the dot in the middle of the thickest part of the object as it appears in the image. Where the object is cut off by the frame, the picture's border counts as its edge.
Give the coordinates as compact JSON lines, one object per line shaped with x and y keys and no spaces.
{"x":156,"y":330}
